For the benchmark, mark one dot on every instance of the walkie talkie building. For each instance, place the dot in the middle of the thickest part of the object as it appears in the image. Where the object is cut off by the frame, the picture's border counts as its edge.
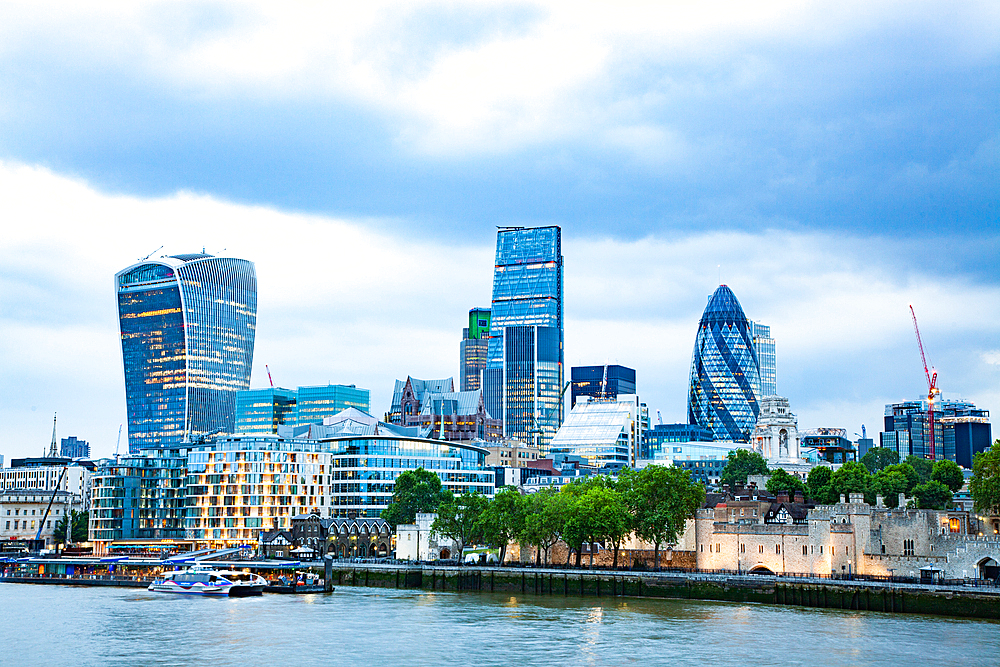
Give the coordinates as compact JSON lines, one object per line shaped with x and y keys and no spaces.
{"x":725,"y":375}
{"x":187,"y":329}
{"x":524,"y":372}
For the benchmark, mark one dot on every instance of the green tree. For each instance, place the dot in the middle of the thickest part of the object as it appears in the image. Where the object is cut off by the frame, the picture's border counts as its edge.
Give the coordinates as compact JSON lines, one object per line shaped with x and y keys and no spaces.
{"x":79,"y":521}
{"x":948,"y":473}
{"x":932,"y":495}
{"x":503,"y":519}
{"x":851,"y":477}
{"x":985,"y":483}
{"x":661,"y":500}
{"x":415,"y":491}
{"x":889,"y":484}
{"x":877,"y":458}
{"x":782,"y":481}
{"x":544,"y":519}
{"x":604,"y":518}
{"x":924,"y":467}
{"x":742,"y":463}
{"x":577,"y":524}
{"x":905,"y":469}
{"x":458,"y":520}
{"x":818,"y":485}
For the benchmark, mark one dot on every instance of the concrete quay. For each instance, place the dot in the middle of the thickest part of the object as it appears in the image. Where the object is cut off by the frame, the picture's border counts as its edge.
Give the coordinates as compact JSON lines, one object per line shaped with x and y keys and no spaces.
{"x":805,"y":592}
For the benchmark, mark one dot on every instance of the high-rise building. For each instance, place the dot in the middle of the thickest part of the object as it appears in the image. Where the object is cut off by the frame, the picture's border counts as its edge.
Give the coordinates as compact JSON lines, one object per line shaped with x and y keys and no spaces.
{"x":602,"y":382}
{"x":725,"y":376}
{"x":187,"y":327}
{"x":472,"y":353}
{"x":764,"y":345}
{"x":74,"y":448}
{"x":523,"y":379}
{"x":262,"y":411}
{"x":604,"y":432}
{"x":961,"y":430}
{"x":314,"y":404}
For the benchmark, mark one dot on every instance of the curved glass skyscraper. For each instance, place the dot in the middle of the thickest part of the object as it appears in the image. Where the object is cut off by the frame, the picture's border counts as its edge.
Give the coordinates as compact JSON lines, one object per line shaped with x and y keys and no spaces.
{"x":725,"y":375}
{"x":187,"y":326}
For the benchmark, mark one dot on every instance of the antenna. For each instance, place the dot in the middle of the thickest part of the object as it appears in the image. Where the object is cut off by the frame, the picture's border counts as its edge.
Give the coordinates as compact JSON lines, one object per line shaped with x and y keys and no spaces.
{"x":151,"y":254}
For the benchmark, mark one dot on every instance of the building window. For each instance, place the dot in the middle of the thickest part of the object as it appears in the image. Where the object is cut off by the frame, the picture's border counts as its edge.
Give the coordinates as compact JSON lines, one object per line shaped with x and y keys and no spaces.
{"x":907,"y":547}
{"x":821,"y":550}
{"x":833,"y":551}
{"x":777,"y":548}
{"x":760,"y":549}
{"x":743,"y":548}
{"x":717,"y":548}
{"x":805,"y":550}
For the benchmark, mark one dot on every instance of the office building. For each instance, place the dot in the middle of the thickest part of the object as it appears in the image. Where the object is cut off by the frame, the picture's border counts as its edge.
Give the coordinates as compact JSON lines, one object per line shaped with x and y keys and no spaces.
{"x":314,"y":404}
{"x":408,"y":398}
{"x":74,"y":448}
{"x":764,"y":345}
{"x":961,"y":430}
{"x":472,"y":353}
{"x":262,"y":411}
{"x":50,"y":474}
{"x":524,"y":373}
{"x":659,"y":436}
{"x":601,"y":382}
{"x":602,"y":432}
{"x":830,"y":445}
{"x":458,"y":416}
{"x":704,"y":460}
{"x":187,"y":328}
{"x":29,"y":514}
{"x":725,"y":378}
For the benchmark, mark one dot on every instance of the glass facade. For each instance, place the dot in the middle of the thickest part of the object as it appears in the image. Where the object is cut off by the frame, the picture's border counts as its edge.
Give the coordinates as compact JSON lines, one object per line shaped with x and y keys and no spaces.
{"x":602,"y":432}
{"x":722,"y":394}
{"x":524,"y":367}
{"x":601,"y":382}
{"x":764,"y":345}
{"x":314,"y":404}
{"x":472,"y":353}
{"x":961,"y":430}
{"x":262,"y":411}
{"x":660,"y":435}
{"x":187,"y":327}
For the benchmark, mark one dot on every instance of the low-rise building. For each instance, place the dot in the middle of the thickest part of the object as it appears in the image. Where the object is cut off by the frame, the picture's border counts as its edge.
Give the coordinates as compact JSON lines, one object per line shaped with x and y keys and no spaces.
{"x":417,"y":542}
{"x":360,"y":538}
{"x":603,"y":431}
{"x":46,"y":473}
{"x":23,"y":513}
{"x":512,"y":453}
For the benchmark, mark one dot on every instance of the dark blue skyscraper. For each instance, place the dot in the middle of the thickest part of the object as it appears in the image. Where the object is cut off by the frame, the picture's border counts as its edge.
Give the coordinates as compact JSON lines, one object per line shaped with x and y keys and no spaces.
{"x":187,"y":328}
{"x":722,"y":395}
{"x":524,"y":367}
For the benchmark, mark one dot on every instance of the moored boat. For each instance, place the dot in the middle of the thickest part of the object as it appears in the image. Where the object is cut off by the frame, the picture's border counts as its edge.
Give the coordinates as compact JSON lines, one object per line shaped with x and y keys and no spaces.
{"x":209,"y":582}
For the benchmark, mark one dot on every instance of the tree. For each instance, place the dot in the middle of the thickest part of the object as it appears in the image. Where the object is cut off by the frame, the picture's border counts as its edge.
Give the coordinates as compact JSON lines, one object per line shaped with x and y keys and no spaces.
{"x":742,"y":463}
{"x":905,"y":469}
{"x":932,"y":495}
{"x":924,"y":467}
{"x":782,"y":481}
{"x":661,"y":500}
{"x":458,"y":520}
{"x":851,"y":477}
{"x":889,"y":484}
{"x":985,"y":483}
{"x":948,"y":473}
{"x":818,"y":485}
{"x":578,"y":519}
{"x":80,"y":521}
{"x":503,"y":519}
{"x":877,"y":458}
{"x":415,"y":491}
{"x":544,"y":519}
{"x":613,"y":518}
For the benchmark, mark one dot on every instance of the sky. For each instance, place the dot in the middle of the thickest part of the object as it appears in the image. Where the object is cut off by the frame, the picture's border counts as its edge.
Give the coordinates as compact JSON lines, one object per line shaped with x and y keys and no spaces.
{"x":832,"y":162}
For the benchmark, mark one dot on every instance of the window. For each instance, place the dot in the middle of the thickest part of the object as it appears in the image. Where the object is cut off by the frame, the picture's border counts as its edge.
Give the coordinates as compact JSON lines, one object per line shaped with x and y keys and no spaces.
{"x":907,"y":547}
{"x":833,"y":551}
{"x":777,"y":548}
{"x":760,"y":549}
{"x":805,"y":550}
{"x":701,"y":548}
{"x":743,"y":548}
{"x":717,"y":547}
{"x":8,"y":525}
{"x":821,"y":549}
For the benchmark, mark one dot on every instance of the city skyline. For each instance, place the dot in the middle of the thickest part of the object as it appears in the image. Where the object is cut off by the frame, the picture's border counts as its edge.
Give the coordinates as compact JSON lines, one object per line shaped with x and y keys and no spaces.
{"x":832,"y":171}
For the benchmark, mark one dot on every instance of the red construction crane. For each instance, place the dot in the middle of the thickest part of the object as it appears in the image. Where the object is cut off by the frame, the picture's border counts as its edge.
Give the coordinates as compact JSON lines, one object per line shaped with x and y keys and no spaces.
{"x":932,"y":389}
{"x":269,"y":375}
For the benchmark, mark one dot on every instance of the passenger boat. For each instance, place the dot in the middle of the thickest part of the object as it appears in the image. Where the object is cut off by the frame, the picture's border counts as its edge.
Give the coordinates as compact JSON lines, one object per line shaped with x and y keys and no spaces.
{"x":208,"y":581}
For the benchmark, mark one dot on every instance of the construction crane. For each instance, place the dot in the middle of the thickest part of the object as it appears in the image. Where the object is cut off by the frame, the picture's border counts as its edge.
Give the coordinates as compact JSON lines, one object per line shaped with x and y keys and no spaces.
{"x":41,"y":524}
{"x":932,"y":389}
{"x":269,"y":376}
{"x":659,"y":417}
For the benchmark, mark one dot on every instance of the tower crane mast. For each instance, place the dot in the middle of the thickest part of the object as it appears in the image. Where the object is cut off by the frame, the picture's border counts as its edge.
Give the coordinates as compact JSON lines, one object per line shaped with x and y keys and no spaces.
{"x":930,"y":374}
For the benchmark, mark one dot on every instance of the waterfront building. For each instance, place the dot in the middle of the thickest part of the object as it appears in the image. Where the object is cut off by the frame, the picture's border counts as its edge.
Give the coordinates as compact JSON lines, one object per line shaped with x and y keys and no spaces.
{"x":417,"y":542}
{"x":776,"y":437}
{"x":827,"y":444}
{"x":73,"y":448}
{"x":658,"y":437}
{"x":601,"y":382}
{"x":725,"y":378}
{"x":603,"y":432}
{"x":961,"y":430}
{"x":408,"y":398}
{"x":364,"y":537}
{"x":187,"y":329}
{"x":766,"y":362}
{"x":47,"y":474}
{"x":524,"y":373}
{"x":472,"y":352}
{"x":512,"y":453}
{"x":22,"y":513}
{"x":262,"y":411}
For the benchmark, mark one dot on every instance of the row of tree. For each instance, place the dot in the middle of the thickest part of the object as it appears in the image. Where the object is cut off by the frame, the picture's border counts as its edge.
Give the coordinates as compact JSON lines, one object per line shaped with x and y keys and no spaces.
{"x":653,"y":503}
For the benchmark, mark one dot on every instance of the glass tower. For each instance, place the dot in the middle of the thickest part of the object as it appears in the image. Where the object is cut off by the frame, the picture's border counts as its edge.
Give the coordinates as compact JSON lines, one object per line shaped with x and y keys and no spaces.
{"x":764,"y":345}
{"x":472,"y":353}
{"x":725,"y":375}
{"x":187,"y":327}
{"x":524,"y":366}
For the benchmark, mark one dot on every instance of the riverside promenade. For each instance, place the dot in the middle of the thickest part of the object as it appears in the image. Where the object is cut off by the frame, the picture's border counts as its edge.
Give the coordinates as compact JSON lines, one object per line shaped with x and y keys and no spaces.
{"x":891,"y":597}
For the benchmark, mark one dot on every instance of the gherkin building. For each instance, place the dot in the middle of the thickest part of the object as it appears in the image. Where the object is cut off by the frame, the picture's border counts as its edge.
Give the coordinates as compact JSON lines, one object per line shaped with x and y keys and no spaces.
{"x":722,"y":395}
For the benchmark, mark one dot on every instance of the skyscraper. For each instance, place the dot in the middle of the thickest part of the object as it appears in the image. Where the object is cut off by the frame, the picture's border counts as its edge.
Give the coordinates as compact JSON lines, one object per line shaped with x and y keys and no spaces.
{"x":74,"y":448}
{"x":600,"y":382}
{"x":725,"y":376}
{"x":524,"y":367}
{"x":187,"y":328}
{"x":764,"y":345}
{"x":475,"y":341}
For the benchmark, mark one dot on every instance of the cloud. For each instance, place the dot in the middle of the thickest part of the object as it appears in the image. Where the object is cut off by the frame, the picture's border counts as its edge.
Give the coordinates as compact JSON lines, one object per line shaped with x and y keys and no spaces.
{"x":350,"y":301}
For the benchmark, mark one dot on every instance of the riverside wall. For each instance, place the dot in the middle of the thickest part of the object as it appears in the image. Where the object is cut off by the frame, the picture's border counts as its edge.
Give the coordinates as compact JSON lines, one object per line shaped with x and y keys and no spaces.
{"x":846,"y":595}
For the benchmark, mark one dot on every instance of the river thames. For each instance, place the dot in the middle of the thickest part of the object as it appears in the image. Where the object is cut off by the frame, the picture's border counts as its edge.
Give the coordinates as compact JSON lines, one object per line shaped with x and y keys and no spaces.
{"x":59,"y":625}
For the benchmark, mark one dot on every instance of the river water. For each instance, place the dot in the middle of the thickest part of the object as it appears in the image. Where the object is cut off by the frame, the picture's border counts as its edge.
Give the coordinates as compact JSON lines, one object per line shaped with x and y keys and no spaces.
{"x":60,"y":625}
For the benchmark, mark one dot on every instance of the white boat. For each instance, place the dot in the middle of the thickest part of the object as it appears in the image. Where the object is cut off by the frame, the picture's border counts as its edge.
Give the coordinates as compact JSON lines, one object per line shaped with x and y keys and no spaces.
{"x":208,"y":581}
